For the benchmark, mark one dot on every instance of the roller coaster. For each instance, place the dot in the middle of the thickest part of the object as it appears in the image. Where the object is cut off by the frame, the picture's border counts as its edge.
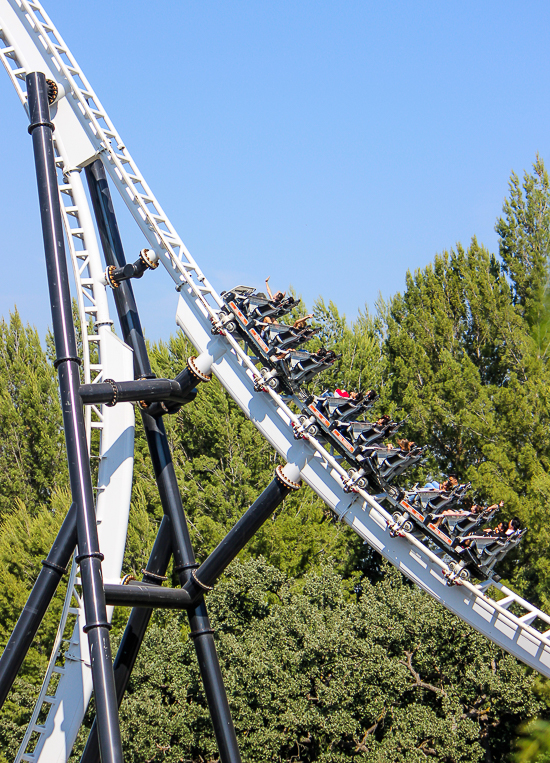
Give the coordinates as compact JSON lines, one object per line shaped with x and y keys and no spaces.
{"x":430,"y":533}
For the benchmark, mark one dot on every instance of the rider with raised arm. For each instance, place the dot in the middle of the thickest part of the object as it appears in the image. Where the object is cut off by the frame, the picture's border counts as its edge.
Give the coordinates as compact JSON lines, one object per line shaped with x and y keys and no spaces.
{"x":278,"y":296}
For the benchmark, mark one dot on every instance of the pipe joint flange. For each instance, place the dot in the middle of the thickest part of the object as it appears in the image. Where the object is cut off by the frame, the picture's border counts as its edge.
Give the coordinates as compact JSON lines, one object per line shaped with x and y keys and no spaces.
{"x":109,"y":273}
{"x":99,"y":624}
{"x":115,"y":392}
{"x":192,"y":366}
{"x":198,"y":582}
{"x":58,"y":361}
{"x":54,"y":566}
{"x":281,"y":476}
{"x":184,"y":567}
{"x":32,"y":128}
{"x":92,"y":555}
{"x":53,"y":91}
{"x":202,"y":632}
{"x":127,"y":579}
{"x":150,"y":258}
{"x":159,"y":578}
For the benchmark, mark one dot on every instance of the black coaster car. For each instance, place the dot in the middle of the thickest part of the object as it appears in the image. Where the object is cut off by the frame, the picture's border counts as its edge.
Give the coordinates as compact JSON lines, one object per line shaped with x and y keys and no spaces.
{"x":458,"y":534}
{"x":392,"y":463}
{"x":296,"y":368}
{"x":286,"y":368}
{"x":244,"y":309}
{"x":484,"y":551}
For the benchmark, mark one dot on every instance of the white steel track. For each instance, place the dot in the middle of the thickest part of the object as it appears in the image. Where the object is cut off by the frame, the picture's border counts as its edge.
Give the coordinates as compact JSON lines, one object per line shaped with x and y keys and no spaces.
{"x":31,"y":42}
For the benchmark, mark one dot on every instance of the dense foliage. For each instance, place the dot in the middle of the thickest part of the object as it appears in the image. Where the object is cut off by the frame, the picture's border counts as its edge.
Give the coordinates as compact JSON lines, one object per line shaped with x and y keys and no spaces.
{"x":327,"y":654}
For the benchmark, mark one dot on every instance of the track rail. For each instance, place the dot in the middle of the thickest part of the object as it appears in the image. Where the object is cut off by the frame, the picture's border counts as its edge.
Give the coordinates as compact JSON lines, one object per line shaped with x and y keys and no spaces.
{"x":31,"y":42}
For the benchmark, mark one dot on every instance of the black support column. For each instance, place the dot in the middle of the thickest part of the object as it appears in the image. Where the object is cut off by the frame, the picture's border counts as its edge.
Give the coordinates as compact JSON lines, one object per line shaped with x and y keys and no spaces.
{"x":184,"y":558}
{"x":67,"y":364}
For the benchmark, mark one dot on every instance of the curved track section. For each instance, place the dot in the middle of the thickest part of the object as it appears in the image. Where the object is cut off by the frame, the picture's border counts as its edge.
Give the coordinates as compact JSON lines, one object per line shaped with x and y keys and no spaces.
{"x":104,"y":356}
{"x":31,"y":42}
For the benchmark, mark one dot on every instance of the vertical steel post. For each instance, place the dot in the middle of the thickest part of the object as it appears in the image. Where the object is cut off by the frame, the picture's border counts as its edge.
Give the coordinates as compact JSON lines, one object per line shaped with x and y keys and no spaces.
{"x":184,"y":558}
{"x":67,"y":364}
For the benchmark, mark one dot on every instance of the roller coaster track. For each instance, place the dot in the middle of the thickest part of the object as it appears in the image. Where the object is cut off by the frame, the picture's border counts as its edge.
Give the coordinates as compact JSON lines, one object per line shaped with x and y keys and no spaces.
{"x":30,"y":42}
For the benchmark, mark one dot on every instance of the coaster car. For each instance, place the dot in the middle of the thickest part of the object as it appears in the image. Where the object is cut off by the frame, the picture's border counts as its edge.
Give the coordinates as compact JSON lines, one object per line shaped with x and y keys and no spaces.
{"x":245,"y":310}
{"x":280,"y":337}
{"x":463,"y":522}
{"x":359,"y":442}
{"x":392,"y":463}
{"x":338,"y":409}
{"x":322,"y":414}
{"x":290,"y":370}
{"x":458,"y":533}
{"x":417,"y":512}
{"x":382,"y":464}
{"x":484,"y":551}
{"x":286,"y":368}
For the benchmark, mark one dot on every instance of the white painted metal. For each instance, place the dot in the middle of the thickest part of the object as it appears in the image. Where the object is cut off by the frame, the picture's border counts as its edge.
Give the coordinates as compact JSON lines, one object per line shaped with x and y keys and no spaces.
{"x":31,"y":40}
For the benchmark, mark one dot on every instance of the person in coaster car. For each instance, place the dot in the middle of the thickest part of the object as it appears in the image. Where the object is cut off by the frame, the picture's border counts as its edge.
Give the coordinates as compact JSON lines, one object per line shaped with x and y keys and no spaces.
{"x":301,"y":323}
{"x":278,"y":296}
{"x":406,"y":445}
{"x":450,"y":483}
{"x":355,"y":396}
{"x":502,"y":531}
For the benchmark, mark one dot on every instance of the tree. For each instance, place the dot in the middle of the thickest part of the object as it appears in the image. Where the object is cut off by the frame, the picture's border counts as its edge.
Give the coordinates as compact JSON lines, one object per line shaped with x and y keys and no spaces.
{"x":314,"y":675}
{"x":25,"y":539}
{"x":32,"y":453}
{"x":463,"y":363}
{"x":524,"y":246}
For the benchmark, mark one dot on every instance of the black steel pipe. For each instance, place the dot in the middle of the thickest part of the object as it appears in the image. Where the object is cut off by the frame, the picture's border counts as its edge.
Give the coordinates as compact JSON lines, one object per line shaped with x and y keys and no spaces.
{"x":113,"y":250}
{"x":143,"y":594}
{"x":239,"y":535}
{"x":186,"y":380}
{"x":139,"y":595}
{"x":53,"y":568}
{"x":209,"y":665}
{"x":130,"y":270}
{"x":146,"y":390}
{"x":135,"y":629}
{"x":164,"y":470}
{"x":67,"y":364}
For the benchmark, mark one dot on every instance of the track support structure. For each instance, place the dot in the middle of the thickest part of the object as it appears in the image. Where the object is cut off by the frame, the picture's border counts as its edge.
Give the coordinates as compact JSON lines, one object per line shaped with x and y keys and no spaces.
{"x":67,"y":364}
{"x":178,"y":538}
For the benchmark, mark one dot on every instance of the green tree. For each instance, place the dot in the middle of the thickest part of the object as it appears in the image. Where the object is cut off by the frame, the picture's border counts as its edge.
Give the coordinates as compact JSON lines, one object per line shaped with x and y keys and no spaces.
{"x":524,"y":246}
{"x":464,"y":365}
{"x":362,"y":362}
{"x":315,"y":675}
{"x":32,"y":452}
{"x":25,"y":539}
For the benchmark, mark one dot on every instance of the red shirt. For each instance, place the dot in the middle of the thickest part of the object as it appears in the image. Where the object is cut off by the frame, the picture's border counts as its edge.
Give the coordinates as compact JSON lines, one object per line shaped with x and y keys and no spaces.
{"x":341,"y":393}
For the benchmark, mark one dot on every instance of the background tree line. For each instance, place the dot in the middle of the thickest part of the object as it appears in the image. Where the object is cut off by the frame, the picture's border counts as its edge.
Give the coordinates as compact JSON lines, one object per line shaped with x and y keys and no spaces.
{"x":328,"y":654}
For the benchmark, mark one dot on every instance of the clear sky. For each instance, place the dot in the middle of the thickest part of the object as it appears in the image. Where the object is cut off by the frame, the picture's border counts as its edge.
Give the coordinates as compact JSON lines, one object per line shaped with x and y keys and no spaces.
{"x":331,"y":145}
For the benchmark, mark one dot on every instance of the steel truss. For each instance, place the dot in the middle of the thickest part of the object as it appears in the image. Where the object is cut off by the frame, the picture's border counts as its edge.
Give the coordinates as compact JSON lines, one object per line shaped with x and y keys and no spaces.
{"x":85,"y":139}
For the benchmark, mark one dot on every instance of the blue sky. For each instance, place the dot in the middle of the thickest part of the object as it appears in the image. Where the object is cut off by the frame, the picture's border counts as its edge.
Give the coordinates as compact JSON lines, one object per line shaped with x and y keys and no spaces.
{"x":330,"y":145}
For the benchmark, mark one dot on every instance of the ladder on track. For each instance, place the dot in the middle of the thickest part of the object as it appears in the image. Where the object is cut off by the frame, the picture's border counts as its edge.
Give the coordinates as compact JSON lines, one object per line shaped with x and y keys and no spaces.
{"x":29,"y":41}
